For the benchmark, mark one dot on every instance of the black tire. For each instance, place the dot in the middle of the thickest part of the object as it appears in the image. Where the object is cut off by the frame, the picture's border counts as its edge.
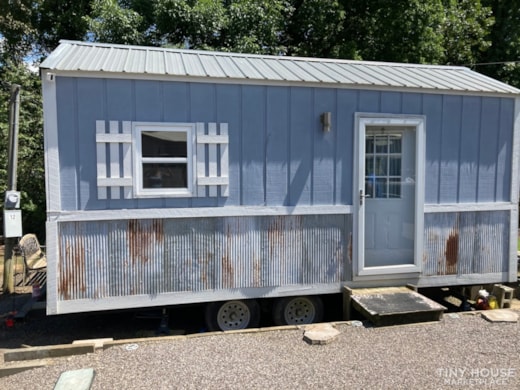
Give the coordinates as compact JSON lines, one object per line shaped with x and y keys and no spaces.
{"x":298,"y":310}
{"x":232,"y":315}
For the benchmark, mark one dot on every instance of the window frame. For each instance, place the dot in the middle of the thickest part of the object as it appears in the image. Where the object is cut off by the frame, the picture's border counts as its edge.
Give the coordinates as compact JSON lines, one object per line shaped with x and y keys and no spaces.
{"x":387,"y":155}
{"x":189,"y":129}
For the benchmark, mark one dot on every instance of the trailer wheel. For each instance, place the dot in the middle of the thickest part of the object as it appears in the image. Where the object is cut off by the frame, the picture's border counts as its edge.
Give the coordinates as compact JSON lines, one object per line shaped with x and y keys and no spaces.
{"x":232,"y":315}
{"x":298,"y":310}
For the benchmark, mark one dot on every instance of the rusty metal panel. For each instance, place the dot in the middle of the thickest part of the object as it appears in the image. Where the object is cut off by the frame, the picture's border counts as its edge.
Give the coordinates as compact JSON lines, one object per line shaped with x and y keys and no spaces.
{"x":101,"y":259}
{"x":466,"y":243}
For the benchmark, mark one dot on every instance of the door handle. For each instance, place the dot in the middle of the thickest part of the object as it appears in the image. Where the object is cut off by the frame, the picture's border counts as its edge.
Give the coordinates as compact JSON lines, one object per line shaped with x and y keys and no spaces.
{"x":361,"y":197}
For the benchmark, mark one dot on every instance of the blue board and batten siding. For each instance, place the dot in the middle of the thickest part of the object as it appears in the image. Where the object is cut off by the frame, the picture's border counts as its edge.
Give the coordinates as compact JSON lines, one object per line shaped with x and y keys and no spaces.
{"x":284,"y":222}
{"x":278,"y":154}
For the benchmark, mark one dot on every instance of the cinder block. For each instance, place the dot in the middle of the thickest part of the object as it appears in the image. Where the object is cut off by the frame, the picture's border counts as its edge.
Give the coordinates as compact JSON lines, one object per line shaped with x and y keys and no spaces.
{"x":504,"y":295}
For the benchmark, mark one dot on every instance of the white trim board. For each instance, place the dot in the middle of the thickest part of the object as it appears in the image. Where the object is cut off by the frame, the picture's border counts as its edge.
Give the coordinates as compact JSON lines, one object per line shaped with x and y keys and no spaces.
{"x":237,"y":211}
{"x":230,"y":211}
{"x":50,"y":137}
{"x":467,"y":207}
{"x":186,"y":297}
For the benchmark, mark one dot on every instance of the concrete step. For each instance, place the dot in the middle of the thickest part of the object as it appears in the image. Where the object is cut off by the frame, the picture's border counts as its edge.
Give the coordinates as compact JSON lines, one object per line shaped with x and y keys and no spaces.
{"x":393,"y":305}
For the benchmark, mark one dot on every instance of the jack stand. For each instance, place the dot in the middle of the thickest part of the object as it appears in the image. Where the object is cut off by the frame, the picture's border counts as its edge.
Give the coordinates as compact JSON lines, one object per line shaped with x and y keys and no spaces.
{"x":163,"y":327}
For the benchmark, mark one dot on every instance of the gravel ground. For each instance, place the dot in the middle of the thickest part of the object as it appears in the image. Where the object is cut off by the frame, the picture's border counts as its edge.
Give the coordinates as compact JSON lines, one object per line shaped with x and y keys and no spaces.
{"x":454,"y":353}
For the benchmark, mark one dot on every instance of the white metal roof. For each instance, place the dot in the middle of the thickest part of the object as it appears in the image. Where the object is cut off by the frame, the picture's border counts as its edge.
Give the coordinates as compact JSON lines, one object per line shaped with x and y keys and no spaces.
{"x":74,"y":56}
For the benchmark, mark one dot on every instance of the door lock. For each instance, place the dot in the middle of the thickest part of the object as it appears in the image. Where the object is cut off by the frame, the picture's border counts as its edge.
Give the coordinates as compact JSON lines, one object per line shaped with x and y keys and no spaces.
{"x":361,"y":197}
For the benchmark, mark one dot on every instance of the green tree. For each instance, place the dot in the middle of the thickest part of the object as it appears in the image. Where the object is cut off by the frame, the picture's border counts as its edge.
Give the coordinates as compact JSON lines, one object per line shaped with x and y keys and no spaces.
{"x":111,"y":22}
{"x":253,"y":26}
{"x":190,"y":23}
{"x":501,"y":60}
{"x":314,"y":28}
{"x":17,"y":29}
{"x":466,"y":31}
{"x":229,"y":25}
{"x":59,"y":19}
{"x":399,"y":30}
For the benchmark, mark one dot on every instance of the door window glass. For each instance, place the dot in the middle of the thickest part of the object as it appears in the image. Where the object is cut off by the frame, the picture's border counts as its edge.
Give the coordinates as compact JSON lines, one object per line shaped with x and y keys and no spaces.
{"x":383,"y":166}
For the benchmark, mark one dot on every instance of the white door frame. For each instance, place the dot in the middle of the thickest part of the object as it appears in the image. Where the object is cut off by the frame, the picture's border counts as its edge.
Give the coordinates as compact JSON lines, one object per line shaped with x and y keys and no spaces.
{"x":362,"y":121}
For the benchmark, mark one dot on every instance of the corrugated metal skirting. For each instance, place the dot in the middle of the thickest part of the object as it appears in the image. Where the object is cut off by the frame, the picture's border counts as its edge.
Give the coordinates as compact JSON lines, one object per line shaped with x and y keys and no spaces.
{"x":466,"y":243}
{"x":130,"y":257}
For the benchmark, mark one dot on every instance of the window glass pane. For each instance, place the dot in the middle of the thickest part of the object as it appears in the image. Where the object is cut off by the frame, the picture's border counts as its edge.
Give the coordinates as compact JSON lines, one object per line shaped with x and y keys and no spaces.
{"x":381,"y":166}
{"x":165,"y":175}
{"x":164,"y":144}
{"x":380,"y":190}
{"x":381,"y":143}
{"x":369,"y":165}
{"x":394,"y":143}
{"x":394,"y":188}
{"x":395,"y":166}
{"x":369,"y":146}
{"x":370,"y":186}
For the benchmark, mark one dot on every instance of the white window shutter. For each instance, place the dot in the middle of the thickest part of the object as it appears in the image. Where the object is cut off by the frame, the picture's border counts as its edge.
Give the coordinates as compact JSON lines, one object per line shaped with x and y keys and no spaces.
{"x":212,"y":172}
{"x":120,"y":163}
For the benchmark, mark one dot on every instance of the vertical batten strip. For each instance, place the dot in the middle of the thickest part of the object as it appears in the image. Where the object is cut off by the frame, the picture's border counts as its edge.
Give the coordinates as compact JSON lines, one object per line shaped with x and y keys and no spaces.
{"x":201,"y":161}
{"x":224,"y":159}
{"x":115,"y":192}
{"x":212,"y":158}
{"x":101,"y":160}
{"x":127,"y":160}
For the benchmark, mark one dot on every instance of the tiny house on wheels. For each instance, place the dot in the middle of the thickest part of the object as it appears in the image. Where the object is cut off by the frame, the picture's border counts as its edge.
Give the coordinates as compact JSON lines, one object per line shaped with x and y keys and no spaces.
{"x":180,"y":176}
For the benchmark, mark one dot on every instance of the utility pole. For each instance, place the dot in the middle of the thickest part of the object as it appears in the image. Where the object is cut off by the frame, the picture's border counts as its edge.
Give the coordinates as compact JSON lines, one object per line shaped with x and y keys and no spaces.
{"x":10,"y":241}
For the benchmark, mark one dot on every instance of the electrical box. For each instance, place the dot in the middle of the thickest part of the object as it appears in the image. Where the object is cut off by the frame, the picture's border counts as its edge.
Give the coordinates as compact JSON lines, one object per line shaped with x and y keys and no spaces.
{"x":12,"y":199}
{"x":12,"y":223}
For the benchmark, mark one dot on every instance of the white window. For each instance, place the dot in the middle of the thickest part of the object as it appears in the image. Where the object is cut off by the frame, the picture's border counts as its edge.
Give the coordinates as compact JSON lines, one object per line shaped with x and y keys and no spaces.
{"x":155,"y":159}
{"x":163,"y":159}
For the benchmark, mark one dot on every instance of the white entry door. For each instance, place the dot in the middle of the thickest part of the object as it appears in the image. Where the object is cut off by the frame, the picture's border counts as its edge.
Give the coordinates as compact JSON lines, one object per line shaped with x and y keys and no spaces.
{"x":389,"y":215}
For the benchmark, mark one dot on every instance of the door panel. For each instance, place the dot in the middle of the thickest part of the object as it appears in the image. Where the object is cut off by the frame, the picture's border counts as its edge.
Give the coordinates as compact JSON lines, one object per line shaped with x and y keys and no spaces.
{"x":389,"y":196}
{"x":389,"y":209}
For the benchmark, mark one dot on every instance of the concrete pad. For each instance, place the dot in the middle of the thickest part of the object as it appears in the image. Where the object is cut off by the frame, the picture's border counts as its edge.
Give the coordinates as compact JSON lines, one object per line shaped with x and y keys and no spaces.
{"x":500,"y":315}
{"x":52,"y":351}
{"x":76,"y":379}
{"x":98,"y":343}
{"x":320,"y":334}
{"x":21,"y":366}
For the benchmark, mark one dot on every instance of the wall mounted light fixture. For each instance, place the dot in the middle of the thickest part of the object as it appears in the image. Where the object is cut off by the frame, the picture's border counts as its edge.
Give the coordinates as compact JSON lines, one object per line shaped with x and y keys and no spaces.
{"x":326,"y":121}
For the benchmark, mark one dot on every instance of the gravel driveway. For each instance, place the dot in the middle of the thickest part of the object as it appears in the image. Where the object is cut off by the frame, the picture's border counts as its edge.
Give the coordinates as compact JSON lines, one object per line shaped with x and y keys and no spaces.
{"x":458,"y":352}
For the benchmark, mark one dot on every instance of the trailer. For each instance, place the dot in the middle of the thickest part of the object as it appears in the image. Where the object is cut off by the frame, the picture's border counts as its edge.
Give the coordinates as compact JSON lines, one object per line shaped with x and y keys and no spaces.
{"x":181,"y":176}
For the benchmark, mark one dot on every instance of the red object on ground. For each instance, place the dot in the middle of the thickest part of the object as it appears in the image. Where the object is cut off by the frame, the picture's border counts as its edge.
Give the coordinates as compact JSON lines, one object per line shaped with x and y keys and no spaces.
{"x":9,"y":322}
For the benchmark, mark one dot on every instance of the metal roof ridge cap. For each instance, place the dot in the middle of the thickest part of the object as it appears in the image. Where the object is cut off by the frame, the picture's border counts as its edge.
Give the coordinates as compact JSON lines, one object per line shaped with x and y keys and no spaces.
{"x":265,"y":56}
